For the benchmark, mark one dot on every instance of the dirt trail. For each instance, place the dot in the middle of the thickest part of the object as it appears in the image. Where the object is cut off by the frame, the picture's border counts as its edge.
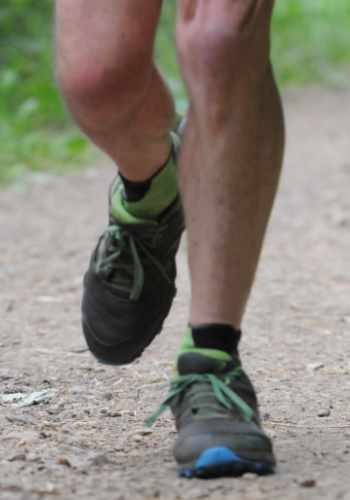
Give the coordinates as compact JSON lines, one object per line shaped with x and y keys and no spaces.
{"x":90,"y":440}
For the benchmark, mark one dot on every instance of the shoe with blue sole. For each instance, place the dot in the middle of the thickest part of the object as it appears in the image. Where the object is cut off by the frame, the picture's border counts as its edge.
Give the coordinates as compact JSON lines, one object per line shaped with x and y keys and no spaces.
{"x":216,"y":414}
{"x":130,"y":284}
{"x":221,"y":462}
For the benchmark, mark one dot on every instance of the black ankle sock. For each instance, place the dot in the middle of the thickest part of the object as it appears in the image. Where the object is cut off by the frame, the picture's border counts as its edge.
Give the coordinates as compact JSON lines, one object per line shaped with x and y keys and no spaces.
{"x":217,"y":336}
{"x":135,"y":191}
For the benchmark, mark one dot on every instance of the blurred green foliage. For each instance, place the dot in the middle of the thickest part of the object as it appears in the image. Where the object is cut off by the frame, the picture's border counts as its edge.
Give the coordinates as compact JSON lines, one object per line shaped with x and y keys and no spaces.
{"x":311,"y":43}
{"x":35,"y":130}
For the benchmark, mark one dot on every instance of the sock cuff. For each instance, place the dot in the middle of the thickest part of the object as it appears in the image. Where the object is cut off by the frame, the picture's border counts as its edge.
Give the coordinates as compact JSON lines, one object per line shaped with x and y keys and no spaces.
{"x":135,"y":190}
{"x":158,"y":194}
{"x":214,"y":341}
{"x":220,"y":337}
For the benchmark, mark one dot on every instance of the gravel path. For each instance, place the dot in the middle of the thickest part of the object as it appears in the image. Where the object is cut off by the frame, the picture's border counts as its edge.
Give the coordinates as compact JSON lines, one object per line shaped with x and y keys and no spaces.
{"x":90,"y":440}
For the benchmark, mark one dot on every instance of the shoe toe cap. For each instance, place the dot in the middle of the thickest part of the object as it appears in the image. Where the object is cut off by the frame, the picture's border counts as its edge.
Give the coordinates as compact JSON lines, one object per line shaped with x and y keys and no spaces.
{"x":117,"y":329}
{"x":246,"y":440}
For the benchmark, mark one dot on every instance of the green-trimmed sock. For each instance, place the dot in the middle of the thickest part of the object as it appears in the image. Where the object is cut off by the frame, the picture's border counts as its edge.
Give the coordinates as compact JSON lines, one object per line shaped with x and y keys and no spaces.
{"x":158,"y":192}
{"x":215,"y":341}
{"x":135,"y":190}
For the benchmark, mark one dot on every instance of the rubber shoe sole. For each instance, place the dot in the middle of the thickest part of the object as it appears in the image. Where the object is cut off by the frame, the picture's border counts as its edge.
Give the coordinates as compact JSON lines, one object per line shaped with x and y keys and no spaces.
{"x":116,"y":355}
{"x":222,"y":462}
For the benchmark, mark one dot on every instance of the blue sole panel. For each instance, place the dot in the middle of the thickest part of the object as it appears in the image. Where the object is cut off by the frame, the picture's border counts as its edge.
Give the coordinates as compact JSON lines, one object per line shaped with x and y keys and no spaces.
{"x":105,"y":362}
{"x":221,"y":462}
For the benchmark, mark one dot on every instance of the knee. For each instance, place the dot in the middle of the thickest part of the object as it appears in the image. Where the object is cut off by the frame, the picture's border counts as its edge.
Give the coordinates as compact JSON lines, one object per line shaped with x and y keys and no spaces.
{"x":230,"y":42}
{"x":94,"y":89}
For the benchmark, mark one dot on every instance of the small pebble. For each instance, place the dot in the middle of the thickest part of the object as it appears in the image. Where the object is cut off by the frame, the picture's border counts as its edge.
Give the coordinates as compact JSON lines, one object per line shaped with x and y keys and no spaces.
{"x":45,"y":435}
{"x":198,"y":493}
{"x":17,"y":420}
{"x":33,"y":457}
{"x":46,"y":423}
{"x":98,"y":459}
{"x":308,"y":483}
{"x":324,"y":413}
{"x":118,"y":496}
{"x":266,"y":416}
{"x":64,"y":461}
{"x":79,"y":389}
{"x":17,"y":456}
{"x":250,"y":476}
{"x":107,"y":396}
{"x":49,"y":488}
{"x":55,"y":410}
{"x":347,"y":433}
{"x":114,"y":414}
{"x":86,"y":365}
{"x":12,"y":435}
{"x":5,"y":374}
{"x":313,"y":367}
{"x":67,"y":414}
{"x":11,"y":484}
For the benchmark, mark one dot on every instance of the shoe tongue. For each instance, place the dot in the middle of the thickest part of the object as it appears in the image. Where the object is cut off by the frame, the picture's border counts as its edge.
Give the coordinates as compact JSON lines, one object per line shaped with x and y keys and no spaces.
{"x":191,"y":362}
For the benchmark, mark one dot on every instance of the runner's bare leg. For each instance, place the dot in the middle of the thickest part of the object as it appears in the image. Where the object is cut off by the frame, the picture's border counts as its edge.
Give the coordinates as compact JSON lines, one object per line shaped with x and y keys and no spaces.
{"x":233,"y":147}
{"x":110,"y":83}
{"x":232,"y":150}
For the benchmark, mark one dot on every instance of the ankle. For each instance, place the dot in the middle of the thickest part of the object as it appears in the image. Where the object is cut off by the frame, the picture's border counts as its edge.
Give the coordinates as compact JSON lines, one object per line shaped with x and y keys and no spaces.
{"x":215,"y":341}
{"x":149,"y":198}
{"x":140,"y":158}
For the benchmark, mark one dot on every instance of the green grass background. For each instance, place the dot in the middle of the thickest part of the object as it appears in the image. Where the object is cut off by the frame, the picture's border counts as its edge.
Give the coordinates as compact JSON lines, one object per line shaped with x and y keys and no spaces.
{"x":310,"y":43}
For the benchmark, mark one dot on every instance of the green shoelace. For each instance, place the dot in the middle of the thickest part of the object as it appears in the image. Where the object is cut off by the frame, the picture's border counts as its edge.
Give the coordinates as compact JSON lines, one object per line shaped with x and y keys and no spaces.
{"x":128,"y":273}
{"x":199,"y":386}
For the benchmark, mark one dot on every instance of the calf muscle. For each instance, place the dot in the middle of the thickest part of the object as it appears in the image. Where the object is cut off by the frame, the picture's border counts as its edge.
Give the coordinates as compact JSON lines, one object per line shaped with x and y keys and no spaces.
{"x":110,"y":83}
